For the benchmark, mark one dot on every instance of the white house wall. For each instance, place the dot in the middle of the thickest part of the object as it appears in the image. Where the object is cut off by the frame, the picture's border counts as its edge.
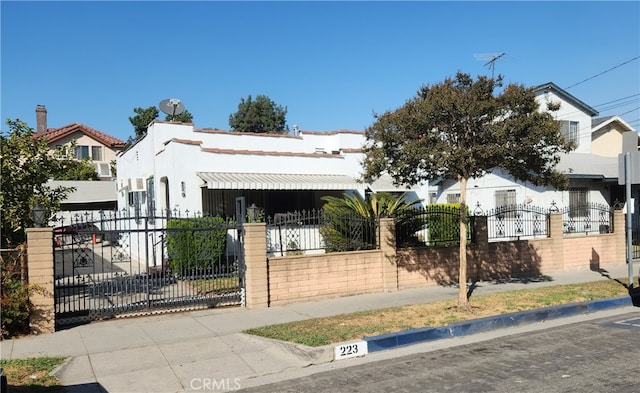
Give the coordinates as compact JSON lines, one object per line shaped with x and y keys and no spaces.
{"x":570,"y":112}
{"x":175,"y":152}
{"x":482,"y":191}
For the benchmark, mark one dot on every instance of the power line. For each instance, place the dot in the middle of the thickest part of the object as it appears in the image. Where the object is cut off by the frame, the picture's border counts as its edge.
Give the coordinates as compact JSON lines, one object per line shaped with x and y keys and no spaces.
{"x":632,"y":110}
{"x":603,"y":72}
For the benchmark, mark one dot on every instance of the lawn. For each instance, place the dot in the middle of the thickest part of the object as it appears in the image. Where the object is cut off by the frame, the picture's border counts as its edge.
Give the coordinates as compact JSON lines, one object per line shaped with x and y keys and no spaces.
{"x":345,"y":327}
{"x":32,"y":375}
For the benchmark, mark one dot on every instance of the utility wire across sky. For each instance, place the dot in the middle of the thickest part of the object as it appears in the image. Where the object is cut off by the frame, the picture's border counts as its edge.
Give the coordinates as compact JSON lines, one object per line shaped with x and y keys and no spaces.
{"x":603,"y":72}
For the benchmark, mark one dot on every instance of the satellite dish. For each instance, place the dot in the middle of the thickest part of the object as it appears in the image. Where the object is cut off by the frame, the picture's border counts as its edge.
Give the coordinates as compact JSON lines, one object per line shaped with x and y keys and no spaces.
{"x":172,"y":107}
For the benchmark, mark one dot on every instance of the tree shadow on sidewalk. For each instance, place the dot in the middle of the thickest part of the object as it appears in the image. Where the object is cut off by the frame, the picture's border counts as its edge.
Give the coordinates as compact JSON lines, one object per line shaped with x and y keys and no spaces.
{"x":512,"y":280}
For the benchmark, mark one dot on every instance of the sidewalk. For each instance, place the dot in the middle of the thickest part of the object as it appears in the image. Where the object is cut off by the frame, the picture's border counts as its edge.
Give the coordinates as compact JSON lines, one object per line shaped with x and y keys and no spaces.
{"x":206,"y":351}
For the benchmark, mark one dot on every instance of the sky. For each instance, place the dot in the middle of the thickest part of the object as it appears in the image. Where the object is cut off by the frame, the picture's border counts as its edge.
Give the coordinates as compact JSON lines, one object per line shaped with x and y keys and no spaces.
{"x":333,"y":65}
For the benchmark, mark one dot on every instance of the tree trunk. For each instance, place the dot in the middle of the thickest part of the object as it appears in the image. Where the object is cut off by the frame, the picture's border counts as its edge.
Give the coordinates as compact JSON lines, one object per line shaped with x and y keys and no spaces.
{"x":463,"y":301}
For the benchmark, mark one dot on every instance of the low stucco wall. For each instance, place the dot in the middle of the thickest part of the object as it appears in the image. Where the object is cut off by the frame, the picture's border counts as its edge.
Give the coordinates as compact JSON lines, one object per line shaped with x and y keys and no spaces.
{"x":303,"y":278}
{"x":312,"y":277}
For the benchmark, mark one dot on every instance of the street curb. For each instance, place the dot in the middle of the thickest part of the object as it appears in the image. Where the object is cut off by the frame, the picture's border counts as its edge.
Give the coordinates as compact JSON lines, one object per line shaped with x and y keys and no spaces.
{"x":459,"y":329}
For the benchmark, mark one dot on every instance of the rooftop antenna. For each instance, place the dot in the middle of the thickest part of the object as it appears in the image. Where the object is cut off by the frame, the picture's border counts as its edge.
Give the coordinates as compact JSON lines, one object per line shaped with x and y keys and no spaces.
{"x":490,"y":59}
{"x":172,"y":107}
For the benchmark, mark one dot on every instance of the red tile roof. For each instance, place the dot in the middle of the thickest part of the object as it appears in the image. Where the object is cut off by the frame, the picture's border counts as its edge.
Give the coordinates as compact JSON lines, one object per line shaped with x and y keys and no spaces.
{"x":53,"y":134}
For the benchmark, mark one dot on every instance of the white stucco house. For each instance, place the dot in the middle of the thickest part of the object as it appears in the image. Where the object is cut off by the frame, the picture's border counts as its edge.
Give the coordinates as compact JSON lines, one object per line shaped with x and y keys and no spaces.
{"x":177,"y":167}
{"x":592,"y":168}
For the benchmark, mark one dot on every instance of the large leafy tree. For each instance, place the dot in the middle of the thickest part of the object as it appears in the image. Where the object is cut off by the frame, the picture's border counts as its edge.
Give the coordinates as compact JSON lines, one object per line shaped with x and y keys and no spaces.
{"x":141,"y":120}
{"x":26,"y":167}
{"x":261,"y":115}
{"x":144,"y":116}
{"x":461,"y":129}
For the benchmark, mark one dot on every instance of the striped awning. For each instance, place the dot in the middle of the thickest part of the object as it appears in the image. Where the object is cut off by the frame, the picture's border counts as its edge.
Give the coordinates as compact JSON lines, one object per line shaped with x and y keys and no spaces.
{"x":276,"y":181}
{"x":384,"y":183}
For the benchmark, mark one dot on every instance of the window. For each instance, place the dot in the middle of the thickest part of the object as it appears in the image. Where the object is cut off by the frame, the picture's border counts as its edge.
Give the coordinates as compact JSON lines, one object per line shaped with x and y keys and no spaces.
{"x":433,"y":197}
{"x":505,"y":200}
{"x":453,"y":198}
{"x":96,"y":153}
{"x":570,"y":131}
{"x":136,"y":201}
{"x":151,"y":202}
{"x":81,"y":152}
{"x":578,"y":202}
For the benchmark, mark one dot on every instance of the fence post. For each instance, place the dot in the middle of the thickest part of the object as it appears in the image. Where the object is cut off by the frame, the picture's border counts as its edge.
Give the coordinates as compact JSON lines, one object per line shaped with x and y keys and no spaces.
{"x":388,"y":250}
{"x":255,"y":259}
{"x":556,"y":234}
{"x":619,"y":232}
{"x":41,"y":270}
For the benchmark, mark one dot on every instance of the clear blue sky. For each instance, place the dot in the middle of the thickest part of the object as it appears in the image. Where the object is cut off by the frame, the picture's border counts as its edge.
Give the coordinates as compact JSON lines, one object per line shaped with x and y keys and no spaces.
{"x":332,"y":64}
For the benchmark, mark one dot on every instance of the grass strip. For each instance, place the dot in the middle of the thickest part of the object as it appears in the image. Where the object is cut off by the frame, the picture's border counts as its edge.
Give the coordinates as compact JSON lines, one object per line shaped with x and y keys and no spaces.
{"x":33,"y":374}
{"x":335,"y":329}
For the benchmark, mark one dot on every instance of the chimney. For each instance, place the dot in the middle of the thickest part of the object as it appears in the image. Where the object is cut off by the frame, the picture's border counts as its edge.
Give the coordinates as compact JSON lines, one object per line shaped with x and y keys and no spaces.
{"x":41,"y":118}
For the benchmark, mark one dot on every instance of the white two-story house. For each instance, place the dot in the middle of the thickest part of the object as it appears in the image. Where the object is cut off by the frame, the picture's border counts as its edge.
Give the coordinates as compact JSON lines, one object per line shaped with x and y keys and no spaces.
{"x":592,"y":168}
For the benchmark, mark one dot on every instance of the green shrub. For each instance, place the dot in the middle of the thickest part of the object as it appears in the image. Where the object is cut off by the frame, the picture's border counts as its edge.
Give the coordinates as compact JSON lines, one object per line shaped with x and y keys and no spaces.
{"x":443,"y":223}
{"x":16,"y":308}
{"x":195,"y":243}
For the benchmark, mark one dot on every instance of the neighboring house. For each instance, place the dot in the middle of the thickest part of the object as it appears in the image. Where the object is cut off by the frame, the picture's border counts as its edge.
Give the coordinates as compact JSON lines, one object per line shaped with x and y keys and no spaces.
{"x":89,"y":143}
{"x":592,"y":168}
{"x":177,"y":167}
{"x":90,"y":197}
{"x":607,"y":134}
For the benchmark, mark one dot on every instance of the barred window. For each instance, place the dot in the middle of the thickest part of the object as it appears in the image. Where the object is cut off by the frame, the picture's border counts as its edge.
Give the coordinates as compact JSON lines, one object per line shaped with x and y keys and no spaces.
{"x":578,"y":202}
{"x":505,"y":199}
{"x":453,"y":198}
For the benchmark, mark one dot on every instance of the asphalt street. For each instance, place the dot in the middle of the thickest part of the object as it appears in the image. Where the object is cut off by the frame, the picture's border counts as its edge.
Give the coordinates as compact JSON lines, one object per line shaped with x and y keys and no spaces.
{"x":593,"y":356}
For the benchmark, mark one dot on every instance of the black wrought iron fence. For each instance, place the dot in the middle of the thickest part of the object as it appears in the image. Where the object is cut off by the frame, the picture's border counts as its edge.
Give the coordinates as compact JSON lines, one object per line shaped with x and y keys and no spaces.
{"x":316,"y":231}
{"x":433,"y":225}
{"x":587,"y":218}
{"x":517,"y":222}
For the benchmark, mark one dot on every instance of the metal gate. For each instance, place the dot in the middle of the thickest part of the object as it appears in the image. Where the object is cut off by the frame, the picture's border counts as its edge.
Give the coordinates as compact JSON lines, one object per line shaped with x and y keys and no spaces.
{"x":117,"y":265}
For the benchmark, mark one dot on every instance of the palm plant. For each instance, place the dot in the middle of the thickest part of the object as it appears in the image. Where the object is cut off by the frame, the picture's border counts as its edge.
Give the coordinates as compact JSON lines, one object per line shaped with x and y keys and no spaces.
{"x":351,"y":221}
